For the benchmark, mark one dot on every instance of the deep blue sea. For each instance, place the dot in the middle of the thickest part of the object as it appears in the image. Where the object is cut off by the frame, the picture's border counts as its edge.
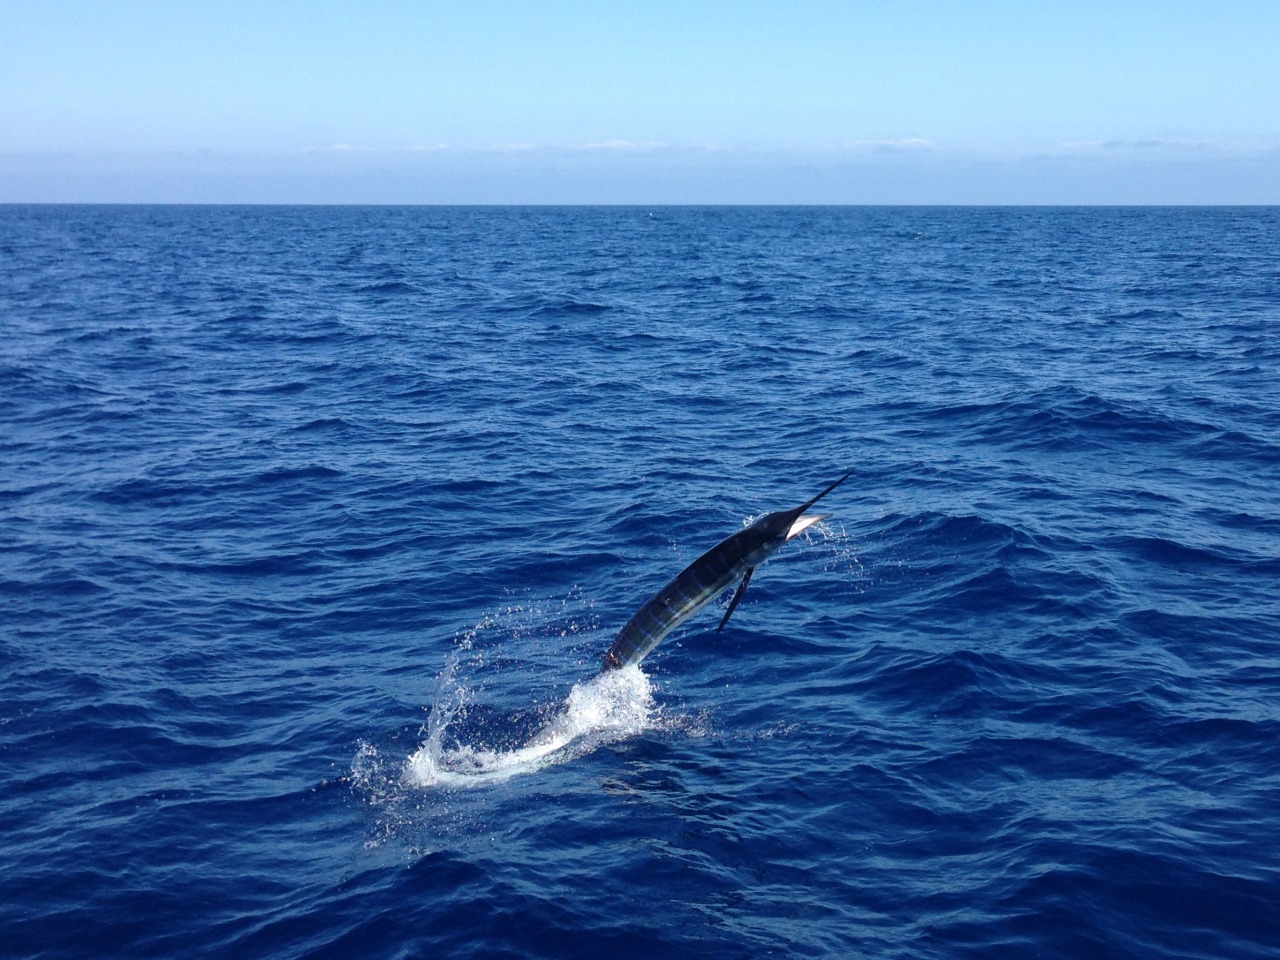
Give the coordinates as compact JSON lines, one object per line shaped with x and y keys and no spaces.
{"x":314,"y":521}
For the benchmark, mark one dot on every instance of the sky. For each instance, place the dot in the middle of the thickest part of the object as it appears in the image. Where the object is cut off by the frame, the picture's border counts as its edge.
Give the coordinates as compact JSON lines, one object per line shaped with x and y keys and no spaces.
{"x":648,"y":102}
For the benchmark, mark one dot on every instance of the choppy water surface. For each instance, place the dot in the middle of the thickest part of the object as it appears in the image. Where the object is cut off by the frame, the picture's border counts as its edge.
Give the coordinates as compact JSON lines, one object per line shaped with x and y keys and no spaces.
{"x":315,"y":524}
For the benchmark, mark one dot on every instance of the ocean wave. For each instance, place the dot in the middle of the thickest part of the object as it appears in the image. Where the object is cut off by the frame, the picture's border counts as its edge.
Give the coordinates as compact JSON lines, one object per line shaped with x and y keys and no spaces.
{"x":316,"y":523}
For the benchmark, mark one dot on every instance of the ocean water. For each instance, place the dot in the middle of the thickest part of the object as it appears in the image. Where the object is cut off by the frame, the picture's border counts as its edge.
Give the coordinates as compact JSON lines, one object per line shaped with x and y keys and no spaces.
{"x":316,"y":522}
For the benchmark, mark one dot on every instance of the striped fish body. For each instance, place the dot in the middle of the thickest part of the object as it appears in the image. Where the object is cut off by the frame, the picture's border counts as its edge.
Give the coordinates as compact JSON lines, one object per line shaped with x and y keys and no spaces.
{"x":708,"y":577}
{"x":695,"y":587}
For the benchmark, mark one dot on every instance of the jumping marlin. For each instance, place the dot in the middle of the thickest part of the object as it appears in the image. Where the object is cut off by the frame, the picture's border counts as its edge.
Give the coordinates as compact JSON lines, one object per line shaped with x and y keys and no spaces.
{"x":708,"y":577}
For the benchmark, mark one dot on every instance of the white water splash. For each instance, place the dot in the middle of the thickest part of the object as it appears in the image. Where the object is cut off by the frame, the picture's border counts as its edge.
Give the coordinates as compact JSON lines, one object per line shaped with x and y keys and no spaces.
{"x":608,"y":707}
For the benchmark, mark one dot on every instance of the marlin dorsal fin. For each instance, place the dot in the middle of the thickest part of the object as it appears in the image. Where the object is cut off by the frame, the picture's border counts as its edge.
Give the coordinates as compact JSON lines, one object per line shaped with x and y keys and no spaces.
{"x":737,"y":595}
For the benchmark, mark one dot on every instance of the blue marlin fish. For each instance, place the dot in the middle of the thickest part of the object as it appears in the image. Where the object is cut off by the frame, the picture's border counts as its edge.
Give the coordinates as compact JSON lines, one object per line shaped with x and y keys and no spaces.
{"x":708,"y":577}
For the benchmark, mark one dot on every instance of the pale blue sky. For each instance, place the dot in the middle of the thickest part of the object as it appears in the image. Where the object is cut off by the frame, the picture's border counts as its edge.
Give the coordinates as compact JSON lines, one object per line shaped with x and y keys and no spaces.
{"x":648,"y":102}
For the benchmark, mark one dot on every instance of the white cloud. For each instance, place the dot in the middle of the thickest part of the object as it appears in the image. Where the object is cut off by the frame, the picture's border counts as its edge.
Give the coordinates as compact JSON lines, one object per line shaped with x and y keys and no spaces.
{"x":1134,"y":143}
{"x":903,"y":143}
{"x":625,"y":145}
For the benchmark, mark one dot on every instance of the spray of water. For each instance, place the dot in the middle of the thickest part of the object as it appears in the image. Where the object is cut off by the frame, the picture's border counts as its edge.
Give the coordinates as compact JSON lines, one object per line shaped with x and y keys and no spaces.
{"x":460,"y":748}
{"x":608,"y":707}
{"x":500,"y":712}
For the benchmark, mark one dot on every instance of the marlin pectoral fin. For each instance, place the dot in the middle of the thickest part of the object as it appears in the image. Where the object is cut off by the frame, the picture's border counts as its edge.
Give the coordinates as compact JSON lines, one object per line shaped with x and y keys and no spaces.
{"x":737,"y":595}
